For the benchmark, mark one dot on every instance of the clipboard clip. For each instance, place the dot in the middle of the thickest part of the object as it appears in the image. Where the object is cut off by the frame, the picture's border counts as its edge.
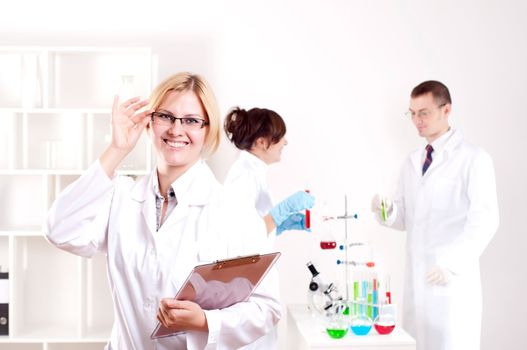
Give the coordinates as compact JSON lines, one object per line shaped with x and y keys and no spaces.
{"x":239,"y":261}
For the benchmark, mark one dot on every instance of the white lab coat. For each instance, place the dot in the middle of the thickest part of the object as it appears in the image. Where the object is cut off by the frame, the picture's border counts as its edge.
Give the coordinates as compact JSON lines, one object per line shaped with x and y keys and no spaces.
{"x":450,"y":215}
{"x":246,"y":183}
{"x":118,"y":217}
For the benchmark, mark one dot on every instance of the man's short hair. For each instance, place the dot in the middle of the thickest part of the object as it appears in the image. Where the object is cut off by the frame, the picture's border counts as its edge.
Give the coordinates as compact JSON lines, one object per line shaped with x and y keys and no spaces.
{"x":438,"y":90}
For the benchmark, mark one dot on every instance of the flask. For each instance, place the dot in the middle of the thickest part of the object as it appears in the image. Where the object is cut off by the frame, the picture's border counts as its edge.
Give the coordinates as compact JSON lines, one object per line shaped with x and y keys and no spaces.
{"x":337,"y":321}
{"x":327,"y":240}
{"x":384,"y":323}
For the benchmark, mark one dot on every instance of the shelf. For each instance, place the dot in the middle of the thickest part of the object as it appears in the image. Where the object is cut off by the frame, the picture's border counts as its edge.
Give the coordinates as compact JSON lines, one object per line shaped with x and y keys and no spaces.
{"x":55,"y":112}
{"x":39,"y":111}
{"x":20,"y":344}
{"x":24,"y":203}
{"x":102,"y":74}
{"x":42,"y":278}
{"x":22,"y":233}
{"x":57,"y":334}
{"x":98,"y":345}
{"x":4,"y":253}
{"x":66,"y":172}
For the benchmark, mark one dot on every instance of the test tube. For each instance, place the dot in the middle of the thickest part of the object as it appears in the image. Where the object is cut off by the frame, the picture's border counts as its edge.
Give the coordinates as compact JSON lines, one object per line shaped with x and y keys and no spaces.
{"x":375,"y":298}
{"x":383,"y":210}
{"x":370,"y":300}
{"x":308,"y":216}
{"x":388,"y":292}
{"x":355,"y":296}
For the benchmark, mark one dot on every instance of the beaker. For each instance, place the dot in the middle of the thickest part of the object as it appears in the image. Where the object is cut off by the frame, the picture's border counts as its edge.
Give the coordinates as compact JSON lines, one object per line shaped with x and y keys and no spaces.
{"x":361,"y":324}
{"x":337,"y":321}
{"x":385,"y":322}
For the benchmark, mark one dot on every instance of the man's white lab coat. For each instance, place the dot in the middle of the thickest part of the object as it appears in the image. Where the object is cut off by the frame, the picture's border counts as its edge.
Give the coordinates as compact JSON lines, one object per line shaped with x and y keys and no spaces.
{"x":450,"y":215}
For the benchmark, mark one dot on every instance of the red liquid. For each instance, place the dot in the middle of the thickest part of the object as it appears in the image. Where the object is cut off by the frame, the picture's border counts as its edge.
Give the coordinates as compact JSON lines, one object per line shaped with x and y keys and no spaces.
{"x":389,"y":297}
{"x":381,"y":329}
{"x":328,"y":245}
{"x":308,"y":217}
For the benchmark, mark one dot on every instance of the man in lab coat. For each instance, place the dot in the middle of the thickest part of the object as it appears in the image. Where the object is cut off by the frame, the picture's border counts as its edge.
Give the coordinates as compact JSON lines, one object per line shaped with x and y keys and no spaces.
{"x":446,"y":201}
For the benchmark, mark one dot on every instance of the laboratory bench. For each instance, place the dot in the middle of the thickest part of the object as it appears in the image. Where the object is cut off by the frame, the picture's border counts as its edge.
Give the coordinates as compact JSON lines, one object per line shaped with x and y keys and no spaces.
{"x":304,"y":332}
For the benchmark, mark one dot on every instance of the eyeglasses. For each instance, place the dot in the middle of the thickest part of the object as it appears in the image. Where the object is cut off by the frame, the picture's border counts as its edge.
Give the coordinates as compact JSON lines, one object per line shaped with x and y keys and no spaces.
{"x":424,"y":113}
{"x":190,"y":122}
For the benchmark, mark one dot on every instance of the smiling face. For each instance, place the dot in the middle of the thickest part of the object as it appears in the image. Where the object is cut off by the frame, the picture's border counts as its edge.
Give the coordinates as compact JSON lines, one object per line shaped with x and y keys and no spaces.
{"x":177,"y":149}
{"x":429,"y":117}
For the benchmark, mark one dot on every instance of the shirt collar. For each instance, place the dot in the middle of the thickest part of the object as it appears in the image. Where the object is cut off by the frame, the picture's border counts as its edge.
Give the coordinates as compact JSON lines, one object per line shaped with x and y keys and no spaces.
{"x":155,"y":183}
{"x":440,"y":142}
{"x":255,"y":162}
{"x":182,"y":184}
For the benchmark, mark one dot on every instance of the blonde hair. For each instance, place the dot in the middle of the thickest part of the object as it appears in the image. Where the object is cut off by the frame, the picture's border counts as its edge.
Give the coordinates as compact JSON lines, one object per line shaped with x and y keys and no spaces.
{"x":192,"y":82}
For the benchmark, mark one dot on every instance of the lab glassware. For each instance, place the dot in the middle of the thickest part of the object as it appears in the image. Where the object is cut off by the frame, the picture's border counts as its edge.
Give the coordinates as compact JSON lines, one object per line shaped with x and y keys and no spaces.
{"x":384,"y":323}
{"x":336,"y":320}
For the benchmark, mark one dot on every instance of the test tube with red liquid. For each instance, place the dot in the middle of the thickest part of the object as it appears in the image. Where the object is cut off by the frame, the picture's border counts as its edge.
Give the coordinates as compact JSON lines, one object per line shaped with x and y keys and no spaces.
{"x":388,"y":291}
{"x":308,"y":216}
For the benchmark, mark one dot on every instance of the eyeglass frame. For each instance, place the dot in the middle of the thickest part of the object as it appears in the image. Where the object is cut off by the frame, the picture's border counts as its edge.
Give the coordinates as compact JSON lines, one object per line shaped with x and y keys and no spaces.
{"x":173,"y":119}
{"x":423,"y":114}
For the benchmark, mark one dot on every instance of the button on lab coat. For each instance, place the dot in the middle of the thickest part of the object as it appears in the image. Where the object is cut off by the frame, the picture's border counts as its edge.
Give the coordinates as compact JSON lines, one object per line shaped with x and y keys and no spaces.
{"x":118,"y":217}
{"x":450,"y":215}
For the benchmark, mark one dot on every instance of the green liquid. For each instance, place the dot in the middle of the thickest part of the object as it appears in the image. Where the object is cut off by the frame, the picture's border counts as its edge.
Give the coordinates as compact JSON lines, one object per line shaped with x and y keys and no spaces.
{"x":337,"y":333}
{"x":383,"y":211}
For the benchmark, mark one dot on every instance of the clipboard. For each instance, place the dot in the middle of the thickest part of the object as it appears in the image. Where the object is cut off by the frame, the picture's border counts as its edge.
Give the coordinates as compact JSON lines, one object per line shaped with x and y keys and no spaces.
{"x":221,"y":284}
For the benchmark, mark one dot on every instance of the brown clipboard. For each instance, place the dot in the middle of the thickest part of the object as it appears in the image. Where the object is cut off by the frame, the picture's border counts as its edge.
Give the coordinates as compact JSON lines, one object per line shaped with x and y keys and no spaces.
{"x":221,"y":284}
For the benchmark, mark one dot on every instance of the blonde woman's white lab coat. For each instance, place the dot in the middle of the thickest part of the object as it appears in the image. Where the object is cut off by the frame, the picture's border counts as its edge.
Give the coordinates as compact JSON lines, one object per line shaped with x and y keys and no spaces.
{"x":118,"y":217}
{"x":246,"y":182}
{"x":450,"y":215}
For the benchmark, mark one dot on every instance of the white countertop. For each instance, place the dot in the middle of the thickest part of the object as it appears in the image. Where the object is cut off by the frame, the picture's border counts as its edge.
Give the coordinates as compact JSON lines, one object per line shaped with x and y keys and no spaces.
{"x":305,"y":332}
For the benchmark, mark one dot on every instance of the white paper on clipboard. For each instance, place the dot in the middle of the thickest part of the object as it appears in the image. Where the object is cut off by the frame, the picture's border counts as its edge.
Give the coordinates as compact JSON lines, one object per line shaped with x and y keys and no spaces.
{"x":221,"y":284}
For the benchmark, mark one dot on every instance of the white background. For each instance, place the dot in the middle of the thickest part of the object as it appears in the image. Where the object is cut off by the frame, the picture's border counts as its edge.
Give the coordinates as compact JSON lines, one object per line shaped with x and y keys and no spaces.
{"x":340,"y":74}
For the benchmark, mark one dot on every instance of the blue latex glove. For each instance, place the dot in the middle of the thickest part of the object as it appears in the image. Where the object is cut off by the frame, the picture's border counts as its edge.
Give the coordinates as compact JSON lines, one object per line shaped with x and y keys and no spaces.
{"x":293,"y":222}
{"x":293,"y":204}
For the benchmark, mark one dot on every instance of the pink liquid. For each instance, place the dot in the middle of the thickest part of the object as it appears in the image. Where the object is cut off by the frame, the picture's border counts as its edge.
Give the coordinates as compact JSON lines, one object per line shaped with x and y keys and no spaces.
{"x":384,"y":329}
{"x":328,"y":244}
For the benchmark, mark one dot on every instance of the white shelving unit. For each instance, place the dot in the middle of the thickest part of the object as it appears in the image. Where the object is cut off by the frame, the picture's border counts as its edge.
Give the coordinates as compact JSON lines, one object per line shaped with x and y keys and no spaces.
{"x":55,"y":105}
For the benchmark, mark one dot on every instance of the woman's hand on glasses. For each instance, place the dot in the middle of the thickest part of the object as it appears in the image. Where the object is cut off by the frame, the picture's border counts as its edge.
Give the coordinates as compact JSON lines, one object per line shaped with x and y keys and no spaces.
{"x":128,"y":122}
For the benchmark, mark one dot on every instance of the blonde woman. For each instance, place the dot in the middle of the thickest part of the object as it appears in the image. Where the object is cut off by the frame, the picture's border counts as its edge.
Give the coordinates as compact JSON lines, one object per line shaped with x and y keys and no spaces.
{"x":154,"y":230}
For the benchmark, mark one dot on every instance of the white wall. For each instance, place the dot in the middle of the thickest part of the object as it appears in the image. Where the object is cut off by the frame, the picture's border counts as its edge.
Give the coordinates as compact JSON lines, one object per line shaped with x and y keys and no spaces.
{"x":340,"y":73}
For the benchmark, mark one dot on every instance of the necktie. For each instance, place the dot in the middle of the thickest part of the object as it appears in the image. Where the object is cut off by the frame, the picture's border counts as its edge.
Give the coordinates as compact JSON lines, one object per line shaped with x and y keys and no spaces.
{"x":428,"y":159}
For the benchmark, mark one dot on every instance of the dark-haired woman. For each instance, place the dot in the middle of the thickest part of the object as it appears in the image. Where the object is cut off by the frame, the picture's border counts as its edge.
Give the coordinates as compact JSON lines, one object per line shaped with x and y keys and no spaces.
{"x":260,"y":135}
